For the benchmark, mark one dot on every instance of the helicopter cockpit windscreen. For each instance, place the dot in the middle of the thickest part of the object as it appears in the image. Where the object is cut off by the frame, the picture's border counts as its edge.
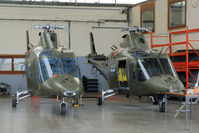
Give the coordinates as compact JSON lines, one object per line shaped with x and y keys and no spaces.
{"x":152,"y":66}
{"x":155,"y":67}
{"x":50,"y":66}
{"x":70,"y":66}
{"x":166,"y":65}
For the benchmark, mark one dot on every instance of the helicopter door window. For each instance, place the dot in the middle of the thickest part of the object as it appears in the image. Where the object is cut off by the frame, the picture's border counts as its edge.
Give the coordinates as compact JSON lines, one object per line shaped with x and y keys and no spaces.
{"x":40,"y":80}
{"x":132,"y":71}
{"x":70,"y":66}
{"x":112,"y":68}
{"x":37,"y":75}
{"x":28,"y":70}
{"x":35,"y":72}
{"x":50,"y":66}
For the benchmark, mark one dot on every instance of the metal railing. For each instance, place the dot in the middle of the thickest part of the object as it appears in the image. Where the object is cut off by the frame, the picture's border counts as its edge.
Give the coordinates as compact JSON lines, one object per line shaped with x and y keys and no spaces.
{"x":187,"y":66}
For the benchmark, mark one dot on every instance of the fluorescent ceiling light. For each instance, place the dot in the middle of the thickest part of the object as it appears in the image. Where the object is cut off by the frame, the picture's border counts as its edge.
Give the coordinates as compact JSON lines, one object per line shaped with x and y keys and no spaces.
{"x":98,"y":1}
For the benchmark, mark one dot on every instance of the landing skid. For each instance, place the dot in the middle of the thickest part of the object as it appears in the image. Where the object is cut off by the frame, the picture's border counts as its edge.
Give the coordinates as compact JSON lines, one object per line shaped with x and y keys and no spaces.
{"x":104,"y":95}
{"x":25,"y":94}
{"x":18,"y":97}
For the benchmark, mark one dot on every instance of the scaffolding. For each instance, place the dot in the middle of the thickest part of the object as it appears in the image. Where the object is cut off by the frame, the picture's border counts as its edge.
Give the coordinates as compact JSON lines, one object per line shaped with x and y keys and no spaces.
{"x":186,"y":107}
{"x":179,"y":66}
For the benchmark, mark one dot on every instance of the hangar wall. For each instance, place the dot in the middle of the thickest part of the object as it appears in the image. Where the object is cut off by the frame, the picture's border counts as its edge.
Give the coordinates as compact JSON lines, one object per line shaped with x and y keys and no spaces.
{"x":16,"y":19}
{"x":161,"y":22}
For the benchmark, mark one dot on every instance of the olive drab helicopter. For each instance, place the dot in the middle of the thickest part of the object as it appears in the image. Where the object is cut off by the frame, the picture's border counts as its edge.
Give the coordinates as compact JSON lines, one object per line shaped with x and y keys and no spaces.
{"x":135,"y":68}
{"x":51,"y":70}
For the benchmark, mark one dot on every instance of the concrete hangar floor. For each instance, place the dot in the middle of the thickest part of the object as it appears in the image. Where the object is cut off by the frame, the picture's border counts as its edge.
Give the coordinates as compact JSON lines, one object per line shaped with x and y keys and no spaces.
{"x":119,"y":115}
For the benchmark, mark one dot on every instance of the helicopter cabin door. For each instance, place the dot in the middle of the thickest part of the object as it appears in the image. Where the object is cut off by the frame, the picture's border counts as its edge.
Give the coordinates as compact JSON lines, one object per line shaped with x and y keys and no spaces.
{"x":29,"y":76}
{"x":113,"y":82}
{"x":36,"y":79}
{"x":132,"y":78}
{"x":122,"y":75}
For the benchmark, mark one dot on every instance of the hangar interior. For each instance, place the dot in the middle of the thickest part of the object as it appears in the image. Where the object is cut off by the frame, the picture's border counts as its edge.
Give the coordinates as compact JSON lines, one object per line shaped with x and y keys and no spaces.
{"x":173,"y":31}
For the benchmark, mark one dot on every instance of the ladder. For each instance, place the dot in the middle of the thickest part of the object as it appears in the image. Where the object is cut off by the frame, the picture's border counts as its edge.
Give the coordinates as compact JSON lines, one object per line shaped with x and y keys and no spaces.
{"x":183,"y":107}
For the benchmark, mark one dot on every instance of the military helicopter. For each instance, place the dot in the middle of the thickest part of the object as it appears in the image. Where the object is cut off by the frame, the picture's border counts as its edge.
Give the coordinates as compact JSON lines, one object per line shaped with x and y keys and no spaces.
{"x":136,"y":69}
{"x":51,"y":70}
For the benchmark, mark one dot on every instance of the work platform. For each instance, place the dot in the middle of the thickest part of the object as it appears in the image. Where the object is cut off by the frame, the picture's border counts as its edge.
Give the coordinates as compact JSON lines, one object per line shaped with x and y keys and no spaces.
{"x":190,"y":99}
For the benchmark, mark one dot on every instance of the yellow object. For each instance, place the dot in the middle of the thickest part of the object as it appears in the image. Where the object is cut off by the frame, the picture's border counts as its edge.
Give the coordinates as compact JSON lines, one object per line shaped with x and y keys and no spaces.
{"x":76,"y":105}
{"x":122,"y":74}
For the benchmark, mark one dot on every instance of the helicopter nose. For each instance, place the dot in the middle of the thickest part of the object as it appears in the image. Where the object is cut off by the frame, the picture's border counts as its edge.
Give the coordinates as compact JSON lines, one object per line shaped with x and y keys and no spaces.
{"x":164,"y":84}
{"x":64,"y":85}
{"x":175,"y":84}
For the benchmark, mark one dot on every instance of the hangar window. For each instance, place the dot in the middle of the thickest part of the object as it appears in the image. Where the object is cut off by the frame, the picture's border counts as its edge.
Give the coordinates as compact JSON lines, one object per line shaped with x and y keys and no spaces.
{"x":177,"y":13}
{"x":148,"y":15}
{"x":12,"y":64}
{"x":19,"y":64}
{"x":6,"y":64}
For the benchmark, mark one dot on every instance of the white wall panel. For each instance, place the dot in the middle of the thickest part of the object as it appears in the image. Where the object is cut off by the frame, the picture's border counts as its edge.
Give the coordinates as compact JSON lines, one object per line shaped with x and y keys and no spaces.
{"x":104,"y":38}
{"x":16,"y":19}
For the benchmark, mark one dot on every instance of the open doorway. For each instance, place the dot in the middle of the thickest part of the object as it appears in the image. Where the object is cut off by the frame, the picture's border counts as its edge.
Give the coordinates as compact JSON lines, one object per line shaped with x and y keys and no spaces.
{"x":122,"y":75}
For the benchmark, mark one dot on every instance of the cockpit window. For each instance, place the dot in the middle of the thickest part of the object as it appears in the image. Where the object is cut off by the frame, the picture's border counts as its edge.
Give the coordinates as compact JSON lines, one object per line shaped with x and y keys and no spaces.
{"x":70,"y":66}
{"x":50,"y":66}
{"x":166,"y":66}
{"x":140,"y":74}
{"x":46,"y":52}
{"x":156,"y":67}
{"x":152,"y":66}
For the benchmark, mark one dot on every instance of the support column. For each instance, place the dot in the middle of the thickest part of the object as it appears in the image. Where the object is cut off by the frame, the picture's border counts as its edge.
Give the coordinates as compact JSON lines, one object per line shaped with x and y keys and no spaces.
{"x":187,"y":58}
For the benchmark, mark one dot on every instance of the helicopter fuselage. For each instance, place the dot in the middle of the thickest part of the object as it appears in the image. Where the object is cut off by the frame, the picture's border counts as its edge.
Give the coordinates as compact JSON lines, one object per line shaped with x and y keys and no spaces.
{"x":51,"y":72}
{"x":140,"y":73}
